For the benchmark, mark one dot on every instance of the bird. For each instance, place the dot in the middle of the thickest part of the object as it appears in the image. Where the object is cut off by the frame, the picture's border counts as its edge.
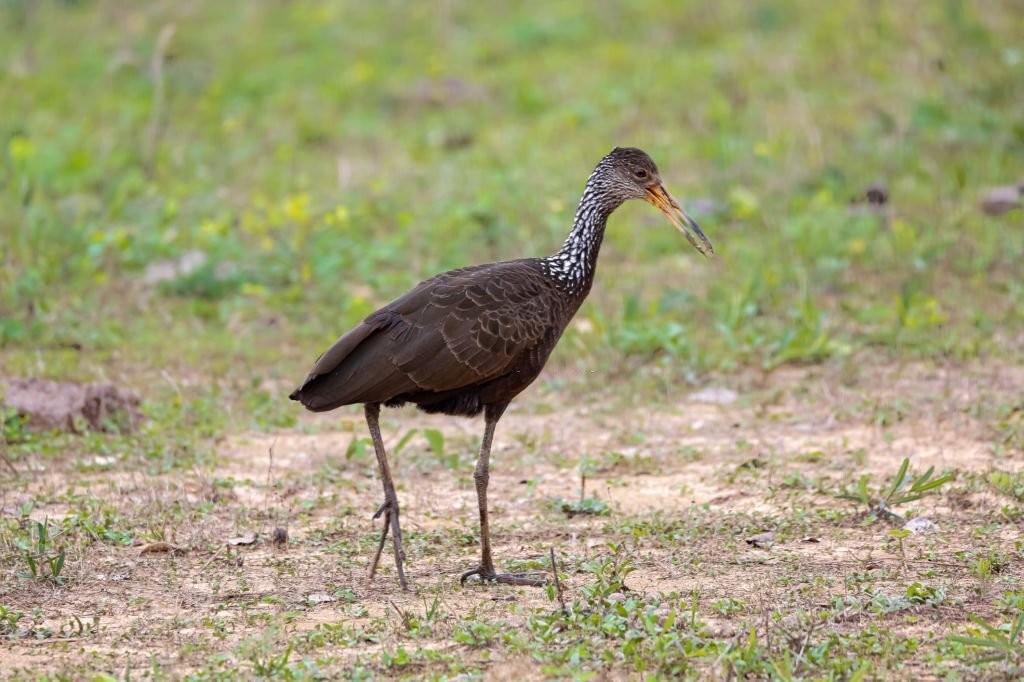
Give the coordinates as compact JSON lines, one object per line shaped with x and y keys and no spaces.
{"x":469,"y":340}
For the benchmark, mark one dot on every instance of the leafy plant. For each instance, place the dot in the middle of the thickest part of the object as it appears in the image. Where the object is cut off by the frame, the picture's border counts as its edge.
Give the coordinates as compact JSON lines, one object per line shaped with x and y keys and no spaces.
{"x":415,"y":625}
{"x":43,"y":560}
{"x":1002,"y":643}
{"x":917,"y":593}
{"x":271,"y":665}
{"x":1007,"y":483}
{"x":902,"y":489}
{"x":12,"y":426}
{"x":436,"y":441}
{"x":9,"y":618}
{"x":588,"y":506}
{"x":476,"y":634}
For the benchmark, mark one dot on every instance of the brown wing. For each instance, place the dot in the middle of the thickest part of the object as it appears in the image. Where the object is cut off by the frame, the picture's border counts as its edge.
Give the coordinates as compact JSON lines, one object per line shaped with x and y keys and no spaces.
{"x":458,"y":329}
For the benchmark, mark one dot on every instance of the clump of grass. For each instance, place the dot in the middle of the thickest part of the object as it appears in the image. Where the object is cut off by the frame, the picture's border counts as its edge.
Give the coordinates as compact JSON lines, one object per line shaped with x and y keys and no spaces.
{"x":588,"y":506}
{"x":903,"y":488}
{"x":998,"y":644}
{"x":43,"y":557}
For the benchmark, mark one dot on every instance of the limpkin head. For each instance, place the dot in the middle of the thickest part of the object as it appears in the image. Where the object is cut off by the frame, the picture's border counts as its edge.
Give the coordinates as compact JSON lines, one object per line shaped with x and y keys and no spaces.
{"x":629,"y":173}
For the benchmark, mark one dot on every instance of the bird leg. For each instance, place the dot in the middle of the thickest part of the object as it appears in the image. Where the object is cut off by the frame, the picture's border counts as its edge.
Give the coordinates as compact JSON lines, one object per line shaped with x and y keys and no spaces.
{"x":485,"y":571}
{"x":383,"y":536}
{"x":390,"y":507}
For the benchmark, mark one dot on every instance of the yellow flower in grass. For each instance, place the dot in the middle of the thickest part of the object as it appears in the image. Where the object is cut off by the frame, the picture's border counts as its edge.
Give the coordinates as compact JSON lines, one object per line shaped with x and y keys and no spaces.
{"x":361,"y":71}
{"x":212,"y":228}
{"x":20,"y":149}
{"x":296,"y":208}
{"x":253,"y":289}
{"x":339,"y":216}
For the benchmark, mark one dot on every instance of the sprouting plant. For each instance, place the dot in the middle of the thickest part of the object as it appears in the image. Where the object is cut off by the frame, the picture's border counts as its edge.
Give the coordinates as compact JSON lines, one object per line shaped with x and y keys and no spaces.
{"x":1002,"y":644}
{"x":610,"y":573}
{"x":9,"y":618}
{"x":272,"y":666}
{"x":588,"y":506}
{"x":415,"y":625}
{"x":44,"y":562}
{"x":436,"y":440}
{"x":904,"y":488}
{"x":899,"y":535}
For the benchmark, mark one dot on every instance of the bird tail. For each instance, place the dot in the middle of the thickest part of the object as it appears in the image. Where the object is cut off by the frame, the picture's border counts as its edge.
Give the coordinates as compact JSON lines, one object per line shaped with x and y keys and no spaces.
{"x":356,"y":369}
{"x":313,"y":400}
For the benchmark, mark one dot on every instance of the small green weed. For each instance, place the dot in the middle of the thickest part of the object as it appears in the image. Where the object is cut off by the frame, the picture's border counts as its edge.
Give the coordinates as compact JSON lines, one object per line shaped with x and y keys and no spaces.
{"x":904,"y":488}
{"x":418,"y":626}
{"x":588,"y":506}
{"x":728,"y":606}
{"x":43,"y":559}
{"x":1006,"y":483}
{"x":9,"y":618}
{"x":477,"y":634}
{"x":1001,"y":643}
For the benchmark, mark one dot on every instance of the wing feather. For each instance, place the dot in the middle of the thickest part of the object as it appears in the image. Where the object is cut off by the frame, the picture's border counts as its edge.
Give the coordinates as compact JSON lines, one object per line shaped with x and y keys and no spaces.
{"x":459,"y":329}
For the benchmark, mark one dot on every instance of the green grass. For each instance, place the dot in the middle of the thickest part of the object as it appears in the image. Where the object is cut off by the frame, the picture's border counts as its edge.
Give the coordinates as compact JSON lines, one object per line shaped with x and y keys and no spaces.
{"x":322,"y":157}
{"x":325,"y":156}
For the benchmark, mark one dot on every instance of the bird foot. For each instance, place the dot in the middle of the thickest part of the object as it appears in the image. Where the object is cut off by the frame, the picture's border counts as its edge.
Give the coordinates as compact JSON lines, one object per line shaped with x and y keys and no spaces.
{"x":489,"y":576}
{"x":390,"y":514}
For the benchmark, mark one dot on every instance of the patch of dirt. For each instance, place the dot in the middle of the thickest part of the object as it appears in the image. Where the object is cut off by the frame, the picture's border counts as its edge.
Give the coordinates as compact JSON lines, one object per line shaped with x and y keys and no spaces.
{"x":697,"y":478}
{"x":48,"y":405}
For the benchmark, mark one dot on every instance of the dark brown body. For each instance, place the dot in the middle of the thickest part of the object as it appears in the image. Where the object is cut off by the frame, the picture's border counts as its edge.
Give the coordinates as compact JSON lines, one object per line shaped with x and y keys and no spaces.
{"x":456,"y":343}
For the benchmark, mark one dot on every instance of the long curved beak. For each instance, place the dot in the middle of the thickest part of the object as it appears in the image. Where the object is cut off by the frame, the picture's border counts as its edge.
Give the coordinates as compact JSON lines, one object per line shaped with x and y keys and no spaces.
{"x":659,"y":196}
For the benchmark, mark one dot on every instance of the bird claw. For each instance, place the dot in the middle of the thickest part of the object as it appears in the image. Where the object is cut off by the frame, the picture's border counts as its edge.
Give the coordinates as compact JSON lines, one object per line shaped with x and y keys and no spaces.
{"x":385,"y":511}
{"x":489,"y":576}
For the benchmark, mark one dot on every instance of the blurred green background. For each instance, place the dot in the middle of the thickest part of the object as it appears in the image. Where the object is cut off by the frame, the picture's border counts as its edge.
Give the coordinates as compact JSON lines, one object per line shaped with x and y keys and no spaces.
{"x":197,"y":197}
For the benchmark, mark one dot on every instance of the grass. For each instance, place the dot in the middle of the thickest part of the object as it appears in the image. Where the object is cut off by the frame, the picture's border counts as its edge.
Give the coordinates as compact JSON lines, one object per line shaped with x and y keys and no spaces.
{"x":898,"y":492}
{"x":291,"y":184}
{"x":310,"y":161}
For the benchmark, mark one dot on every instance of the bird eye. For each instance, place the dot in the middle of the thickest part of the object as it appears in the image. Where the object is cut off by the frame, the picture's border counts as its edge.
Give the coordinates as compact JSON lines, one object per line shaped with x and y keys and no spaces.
{"x":640,"y":173}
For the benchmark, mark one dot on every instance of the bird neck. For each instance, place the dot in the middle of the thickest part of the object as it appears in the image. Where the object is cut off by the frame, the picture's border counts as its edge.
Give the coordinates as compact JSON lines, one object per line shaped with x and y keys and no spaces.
{"x":574,"y":265}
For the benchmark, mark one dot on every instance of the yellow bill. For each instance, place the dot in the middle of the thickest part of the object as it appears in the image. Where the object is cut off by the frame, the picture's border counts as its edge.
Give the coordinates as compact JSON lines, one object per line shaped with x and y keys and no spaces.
{"x":659,"y":196}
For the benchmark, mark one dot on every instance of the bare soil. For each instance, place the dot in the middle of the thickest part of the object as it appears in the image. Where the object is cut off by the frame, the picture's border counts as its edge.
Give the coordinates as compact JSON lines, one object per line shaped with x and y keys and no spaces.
{"x":717,"y":472}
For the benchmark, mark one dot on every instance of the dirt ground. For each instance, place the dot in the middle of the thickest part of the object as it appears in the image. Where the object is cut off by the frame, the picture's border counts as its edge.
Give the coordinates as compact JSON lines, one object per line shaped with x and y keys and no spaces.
{"x":719,"y":464}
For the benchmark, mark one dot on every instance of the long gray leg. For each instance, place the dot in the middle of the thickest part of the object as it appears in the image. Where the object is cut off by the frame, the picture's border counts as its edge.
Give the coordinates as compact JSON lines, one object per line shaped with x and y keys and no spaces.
{"x":481,"y":477}
{"x":390,"y":507}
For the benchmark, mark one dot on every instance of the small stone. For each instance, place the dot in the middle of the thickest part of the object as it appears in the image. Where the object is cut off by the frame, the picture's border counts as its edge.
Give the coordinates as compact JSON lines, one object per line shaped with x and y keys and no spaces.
{"x":762,"y":540}
{"x":160,"y":548}
{"x":280,"y":536}
{"x":877,"y":193}
{"x":1002,"y":200}
{"x":920,"y":525}
{"x":662,"y":615}
{"x":872,"y":200}
{"x":165,"y":270}
{"x":714,"y":395}
{"x":247,"y":539}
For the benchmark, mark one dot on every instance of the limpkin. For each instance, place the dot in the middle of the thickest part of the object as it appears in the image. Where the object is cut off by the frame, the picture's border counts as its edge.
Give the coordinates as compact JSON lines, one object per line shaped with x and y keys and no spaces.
{"x":469,"y":340}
